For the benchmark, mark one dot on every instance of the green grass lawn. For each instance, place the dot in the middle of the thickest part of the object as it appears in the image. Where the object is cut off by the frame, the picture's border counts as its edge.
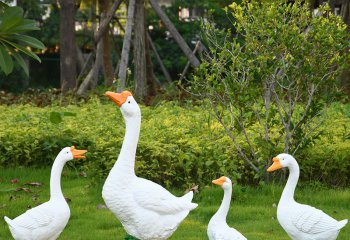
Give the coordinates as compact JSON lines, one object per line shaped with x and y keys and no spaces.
{"x":253,"y":210}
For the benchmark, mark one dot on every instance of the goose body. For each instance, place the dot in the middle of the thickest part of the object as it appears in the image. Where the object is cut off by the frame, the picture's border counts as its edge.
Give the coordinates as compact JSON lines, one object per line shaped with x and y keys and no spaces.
{"x":300,"y":221}
{"x":217,"y":227}
{"x":145,"y":209}
{"x":46,"y":221}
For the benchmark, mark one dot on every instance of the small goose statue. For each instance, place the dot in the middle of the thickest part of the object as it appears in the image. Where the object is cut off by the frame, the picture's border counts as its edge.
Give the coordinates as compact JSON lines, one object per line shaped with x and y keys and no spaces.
{"x":47,"y":221}
{"x":217,"y":227}
{"x":302,"y":222}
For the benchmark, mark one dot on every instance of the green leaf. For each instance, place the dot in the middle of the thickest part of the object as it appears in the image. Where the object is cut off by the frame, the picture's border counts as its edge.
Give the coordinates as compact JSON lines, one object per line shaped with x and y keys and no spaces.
{"x":6,"y":62}
{"x":23,"y":49}
{"x":209,"y":163}
{"x":21,"y":62}
{"x":69,"y":114}
{"x":12,"y":16}
{"x":56,"y":117}
{"x":25,"y":26}
{"x":33,"y":42}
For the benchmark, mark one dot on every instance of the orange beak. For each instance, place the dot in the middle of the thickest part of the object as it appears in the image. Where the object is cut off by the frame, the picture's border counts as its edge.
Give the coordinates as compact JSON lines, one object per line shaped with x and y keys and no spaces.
{"x":77,"y":153}
{"x":118,"y":98}
{"x":219,"y":181}
{"x":276,"y":165}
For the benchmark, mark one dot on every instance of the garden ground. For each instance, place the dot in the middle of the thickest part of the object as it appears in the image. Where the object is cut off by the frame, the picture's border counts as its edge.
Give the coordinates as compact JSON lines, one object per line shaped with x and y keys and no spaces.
{"x":253,"y":209}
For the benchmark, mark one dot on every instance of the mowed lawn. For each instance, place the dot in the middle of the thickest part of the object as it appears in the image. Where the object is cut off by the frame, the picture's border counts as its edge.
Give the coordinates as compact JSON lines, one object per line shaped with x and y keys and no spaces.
{"x":253,"y":209}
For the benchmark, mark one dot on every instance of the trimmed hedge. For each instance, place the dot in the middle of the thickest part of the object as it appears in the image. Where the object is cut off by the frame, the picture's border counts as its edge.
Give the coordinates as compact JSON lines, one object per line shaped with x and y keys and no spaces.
{"x":178,"y":145}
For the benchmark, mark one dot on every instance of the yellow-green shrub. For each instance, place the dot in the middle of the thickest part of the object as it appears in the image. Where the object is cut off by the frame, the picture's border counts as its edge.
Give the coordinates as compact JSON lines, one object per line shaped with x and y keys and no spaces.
{"x":178,"y":145}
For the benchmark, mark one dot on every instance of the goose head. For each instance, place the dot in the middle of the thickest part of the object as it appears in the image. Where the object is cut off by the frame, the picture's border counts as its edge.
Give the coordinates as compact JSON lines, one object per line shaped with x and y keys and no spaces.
{"x":224,"y":182}
{"x":282,"y":160}
{"x":70,"y":153}
{"x":126,"y":102}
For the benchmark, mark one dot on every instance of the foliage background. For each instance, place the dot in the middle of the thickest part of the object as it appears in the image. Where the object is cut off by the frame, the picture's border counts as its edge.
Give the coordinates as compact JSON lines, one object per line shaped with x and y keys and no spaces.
{"x":179,"y":144}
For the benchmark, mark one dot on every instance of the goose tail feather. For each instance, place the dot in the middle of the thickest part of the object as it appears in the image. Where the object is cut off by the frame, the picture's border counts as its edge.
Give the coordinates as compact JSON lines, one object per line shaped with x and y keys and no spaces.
{"x":9,"y":221}
{"x":342,"y":223}
{"x":188,"y":196}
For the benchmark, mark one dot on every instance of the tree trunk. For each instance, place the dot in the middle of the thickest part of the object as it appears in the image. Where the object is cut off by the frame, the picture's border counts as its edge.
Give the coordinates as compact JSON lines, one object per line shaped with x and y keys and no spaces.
{"x":175,"y":34}
{"x":150,"y":78}
{"x":345,"y":76}
{"x":126,"y":47}
{"x":91,"y":79}
{"x":140,"y":68}
{"x":188,"y":63}
{"x":67,"y":45}
{"x":104,"y":23}
{"x":161,"y":64}
{"x":107,"y":56}
{"x":80,"y":59}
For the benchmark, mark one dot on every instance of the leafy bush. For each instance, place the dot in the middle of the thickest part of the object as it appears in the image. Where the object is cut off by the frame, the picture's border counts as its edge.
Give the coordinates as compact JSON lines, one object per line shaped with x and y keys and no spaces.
{"x":271,"y":74}
{"x":178,"y":146}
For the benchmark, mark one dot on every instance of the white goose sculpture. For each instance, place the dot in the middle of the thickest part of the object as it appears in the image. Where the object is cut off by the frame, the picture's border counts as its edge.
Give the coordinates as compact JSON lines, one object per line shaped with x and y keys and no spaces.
{"x":146,"y":210}
{"x":302,"y":222}
{"x":47,"y":221}
{"x":217,"y":227}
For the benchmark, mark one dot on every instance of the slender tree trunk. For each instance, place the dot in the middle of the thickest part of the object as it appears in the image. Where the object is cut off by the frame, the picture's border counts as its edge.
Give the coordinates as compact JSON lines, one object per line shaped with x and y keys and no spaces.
{"x":80,"y":59}
{"x":175,"y":34}
{"x":104,"y":23}
{"x":160,"y":62}
{"x":345,"y":76}
{"x":188,"y":63}
{"x":107,"y":57}
{"x":140,"y":68}
{"x":91,"y":79}
{"x":126,"y":47}
{"x":151,"y":85}
{"x":67,"y":45}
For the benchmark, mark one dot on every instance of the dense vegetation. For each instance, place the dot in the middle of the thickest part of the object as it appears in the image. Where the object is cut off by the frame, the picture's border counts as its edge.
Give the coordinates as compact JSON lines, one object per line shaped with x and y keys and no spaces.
{"x":179,"y":145}
{"x":276,"y":75}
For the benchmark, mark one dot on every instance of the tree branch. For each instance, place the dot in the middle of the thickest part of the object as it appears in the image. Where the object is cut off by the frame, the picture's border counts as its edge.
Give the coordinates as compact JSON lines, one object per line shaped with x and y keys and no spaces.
{"x":103,"y":25}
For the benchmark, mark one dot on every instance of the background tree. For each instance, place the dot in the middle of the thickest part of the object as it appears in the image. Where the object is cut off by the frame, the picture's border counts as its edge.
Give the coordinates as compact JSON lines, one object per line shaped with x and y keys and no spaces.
{"x":107,"y":56}
{"x":277,"y":71}
{"x":67,"y":45}
{"x":13,"y":38}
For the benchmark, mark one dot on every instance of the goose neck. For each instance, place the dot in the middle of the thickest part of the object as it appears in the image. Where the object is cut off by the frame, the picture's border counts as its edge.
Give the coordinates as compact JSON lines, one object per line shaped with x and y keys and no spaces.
{"x":55,"y":179}
{"x":289,"y":189}
{"x":221,"y":214}
{"x":126,"y":159}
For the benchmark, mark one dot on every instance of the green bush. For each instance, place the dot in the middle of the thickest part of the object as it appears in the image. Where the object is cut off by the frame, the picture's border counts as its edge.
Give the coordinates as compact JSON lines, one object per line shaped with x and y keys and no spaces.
{"x":328,"y":160}
{"x":271,"y":74}
{"x":178,"y":146}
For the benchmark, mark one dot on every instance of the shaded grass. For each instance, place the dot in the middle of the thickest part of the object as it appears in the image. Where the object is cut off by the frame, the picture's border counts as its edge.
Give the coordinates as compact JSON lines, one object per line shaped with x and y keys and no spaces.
{"x":253,"y":210}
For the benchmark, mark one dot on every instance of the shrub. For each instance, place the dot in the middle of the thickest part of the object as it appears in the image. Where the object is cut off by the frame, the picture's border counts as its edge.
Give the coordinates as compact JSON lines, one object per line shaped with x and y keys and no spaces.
{"x":178,"y":145}
{"x":268,"y":82}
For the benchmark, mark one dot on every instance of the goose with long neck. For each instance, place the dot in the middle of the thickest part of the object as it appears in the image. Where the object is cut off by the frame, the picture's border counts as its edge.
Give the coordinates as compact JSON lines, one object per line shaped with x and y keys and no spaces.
{"x":146,"y":210}
{"x":217,"y":227}
{"x":302,"y":222}
{"x":47,"y":221}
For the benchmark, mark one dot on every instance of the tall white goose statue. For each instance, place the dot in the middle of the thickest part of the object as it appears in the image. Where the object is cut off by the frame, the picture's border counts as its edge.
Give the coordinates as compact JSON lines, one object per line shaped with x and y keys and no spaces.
{"x":146,"y":210}
{"x":217,"y":227}
{"x":47,"y":221}
{"x":302,"y":222}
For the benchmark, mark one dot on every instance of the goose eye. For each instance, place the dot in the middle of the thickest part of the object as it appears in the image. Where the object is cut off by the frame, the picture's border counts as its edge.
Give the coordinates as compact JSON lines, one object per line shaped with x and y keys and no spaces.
{"x":128,"y":101}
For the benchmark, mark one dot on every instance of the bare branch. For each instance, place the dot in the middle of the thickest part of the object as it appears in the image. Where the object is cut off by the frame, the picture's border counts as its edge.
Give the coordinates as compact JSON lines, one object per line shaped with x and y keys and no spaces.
{"x":238,"y":147}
